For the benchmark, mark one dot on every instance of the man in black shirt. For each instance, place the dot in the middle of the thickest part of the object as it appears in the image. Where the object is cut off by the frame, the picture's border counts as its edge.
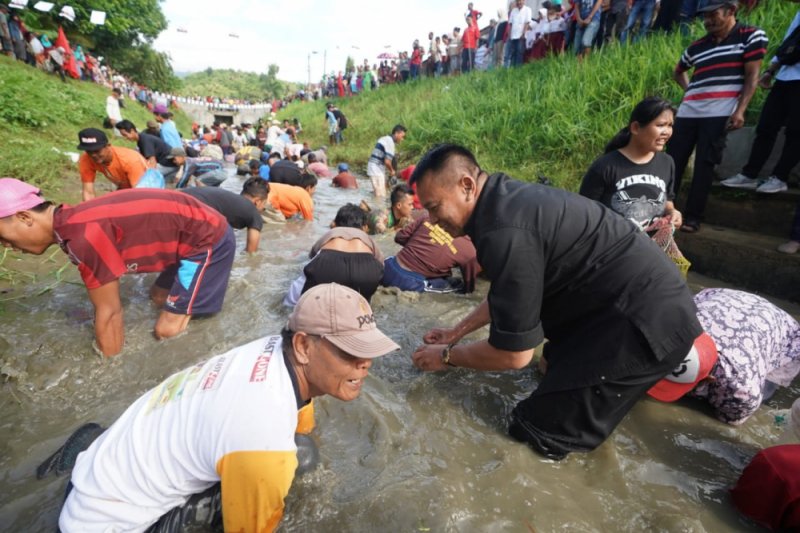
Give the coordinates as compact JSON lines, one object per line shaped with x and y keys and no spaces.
{"x":152,"y":148}
{"x":616,"y":313}
{"x":284,"y":171}
{"x":241,"y":211}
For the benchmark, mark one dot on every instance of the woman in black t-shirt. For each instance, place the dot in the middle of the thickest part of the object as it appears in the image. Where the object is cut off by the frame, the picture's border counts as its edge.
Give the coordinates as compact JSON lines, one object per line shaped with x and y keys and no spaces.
{"x":635,"y":177}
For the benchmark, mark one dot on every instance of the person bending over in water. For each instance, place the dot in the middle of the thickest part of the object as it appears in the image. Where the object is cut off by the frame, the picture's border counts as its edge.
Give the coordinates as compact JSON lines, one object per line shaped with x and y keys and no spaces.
{"x":226,"y":426}
{"x":616,"y":312}
{"x":126,"y":232}
{"x":751,"y":348}
{"x":344,"y":255}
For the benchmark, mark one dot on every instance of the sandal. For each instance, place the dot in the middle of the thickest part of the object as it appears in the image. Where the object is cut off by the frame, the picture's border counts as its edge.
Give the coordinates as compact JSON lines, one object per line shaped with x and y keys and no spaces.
{"x":690,"y":226}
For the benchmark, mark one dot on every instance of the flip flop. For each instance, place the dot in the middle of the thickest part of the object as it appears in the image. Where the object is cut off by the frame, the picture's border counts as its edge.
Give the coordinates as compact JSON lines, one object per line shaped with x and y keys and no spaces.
{"x":690,"y":226}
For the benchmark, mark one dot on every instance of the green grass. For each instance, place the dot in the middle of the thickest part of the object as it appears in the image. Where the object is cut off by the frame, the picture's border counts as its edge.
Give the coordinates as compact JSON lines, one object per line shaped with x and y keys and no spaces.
{"x":40,"y":117}
{"x":551,"y":117}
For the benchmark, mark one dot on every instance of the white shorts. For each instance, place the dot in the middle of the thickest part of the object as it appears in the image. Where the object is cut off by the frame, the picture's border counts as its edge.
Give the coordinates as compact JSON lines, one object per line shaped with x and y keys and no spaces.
{"x":378,"y":184}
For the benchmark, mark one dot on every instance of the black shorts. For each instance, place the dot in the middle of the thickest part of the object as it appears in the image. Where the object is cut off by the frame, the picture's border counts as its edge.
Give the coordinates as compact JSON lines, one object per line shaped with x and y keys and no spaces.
{"x":557,"y":422}
{"x":360,"y":271}
{"x":197,"y":284}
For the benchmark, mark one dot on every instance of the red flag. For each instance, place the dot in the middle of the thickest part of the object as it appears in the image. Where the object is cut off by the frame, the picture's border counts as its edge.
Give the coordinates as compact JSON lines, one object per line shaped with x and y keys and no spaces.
{"x":70,"y":67}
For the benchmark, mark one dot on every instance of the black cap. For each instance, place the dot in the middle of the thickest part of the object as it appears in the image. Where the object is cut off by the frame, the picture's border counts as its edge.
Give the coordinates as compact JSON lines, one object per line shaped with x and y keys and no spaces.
{"x":91,"y":139}
{"x":716,"y":4}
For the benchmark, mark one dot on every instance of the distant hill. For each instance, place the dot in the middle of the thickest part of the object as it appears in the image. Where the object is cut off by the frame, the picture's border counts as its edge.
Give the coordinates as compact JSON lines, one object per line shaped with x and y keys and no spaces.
{"x":236,"y":84}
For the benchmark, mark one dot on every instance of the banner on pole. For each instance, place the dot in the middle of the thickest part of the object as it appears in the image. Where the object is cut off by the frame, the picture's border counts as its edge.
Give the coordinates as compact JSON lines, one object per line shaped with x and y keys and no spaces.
{"x":67,"y":13}
{"x":44,"y":7}
{"x":98,"y":17}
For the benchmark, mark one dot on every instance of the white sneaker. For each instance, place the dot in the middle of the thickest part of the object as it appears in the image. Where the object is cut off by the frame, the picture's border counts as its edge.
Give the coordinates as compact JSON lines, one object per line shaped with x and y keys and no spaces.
{"x":740,"y":181}
{"x":790,"y":247}
{"x":772,"y":185}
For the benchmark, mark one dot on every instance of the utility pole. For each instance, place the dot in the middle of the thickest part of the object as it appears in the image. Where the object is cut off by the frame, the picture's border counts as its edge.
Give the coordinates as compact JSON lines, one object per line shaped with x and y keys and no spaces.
{"x":309,"y":70}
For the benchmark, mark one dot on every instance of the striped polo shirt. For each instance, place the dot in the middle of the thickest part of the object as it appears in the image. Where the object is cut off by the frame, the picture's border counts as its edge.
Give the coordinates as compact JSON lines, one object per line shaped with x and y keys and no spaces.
{"x":135,"y":230}
{"x":718,"y":76}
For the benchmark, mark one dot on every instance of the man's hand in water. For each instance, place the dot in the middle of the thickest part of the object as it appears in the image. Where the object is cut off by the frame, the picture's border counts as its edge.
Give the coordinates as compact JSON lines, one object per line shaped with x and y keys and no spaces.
{"x":428,"y":357}
{"x":439,"y":336}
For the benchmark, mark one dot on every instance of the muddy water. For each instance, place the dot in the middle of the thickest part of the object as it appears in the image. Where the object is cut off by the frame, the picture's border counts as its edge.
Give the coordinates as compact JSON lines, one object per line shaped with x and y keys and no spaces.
{"x":416,"y":452}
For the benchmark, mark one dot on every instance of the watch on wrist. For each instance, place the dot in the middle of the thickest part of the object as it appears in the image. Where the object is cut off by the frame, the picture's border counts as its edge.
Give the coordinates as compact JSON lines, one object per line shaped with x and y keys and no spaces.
{"x":446,"y":354}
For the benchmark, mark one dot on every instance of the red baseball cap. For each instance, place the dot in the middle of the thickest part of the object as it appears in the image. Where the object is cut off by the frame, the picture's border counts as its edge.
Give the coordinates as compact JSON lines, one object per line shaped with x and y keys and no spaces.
{"x":694,"y":368}
{"x":16,"y":196}
{"x":769,"y":489}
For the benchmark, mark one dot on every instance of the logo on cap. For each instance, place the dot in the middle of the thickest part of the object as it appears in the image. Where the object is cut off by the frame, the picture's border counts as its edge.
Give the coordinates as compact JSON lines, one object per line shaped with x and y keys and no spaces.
{"x":88,"y":140}
{"x":688,"y":370}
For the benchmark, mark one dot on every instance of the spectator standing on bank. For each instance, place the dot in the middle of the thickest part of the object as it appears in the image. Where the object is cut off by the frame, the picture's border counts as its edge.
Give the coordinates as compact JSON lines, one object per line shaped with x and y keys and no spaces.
{"x":641,"y":11}
{"x":782,"y":108}
{"x":726,"y":63}
{"x":587,"y":24}
{"x":616,"y":19}
{"x":520,"y":20}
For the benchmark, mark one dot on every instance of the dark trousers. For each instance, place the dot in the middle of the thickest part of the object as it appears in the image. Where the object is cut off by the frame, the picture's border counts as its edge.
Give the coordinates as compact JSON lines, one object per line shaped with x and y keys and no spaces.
{"x":467,"y":59}
{"x":707,"y":137}
{"x":614,"y":24}
{"x":795,"y":235}
{"x":668,"y":14}
{"x":781,"y":108}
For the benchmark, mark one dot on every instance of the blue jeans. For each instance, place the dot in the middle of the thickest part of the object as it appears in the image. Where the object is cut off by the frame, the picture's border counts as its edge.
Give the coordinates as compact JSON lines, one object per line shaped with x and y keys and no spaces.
{"x":513,"y":52}
{"x":414,"y":71}
{"x":396,"y":276}
{"x":584,"y":37}
{"x":642,"y":11}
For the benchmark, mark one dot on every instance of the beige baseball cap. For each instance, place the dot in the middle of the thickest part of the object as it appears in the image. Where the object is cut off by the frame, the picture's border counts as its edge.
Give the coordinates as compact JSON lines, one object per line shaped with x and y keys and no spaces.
{"x":342,"y":316}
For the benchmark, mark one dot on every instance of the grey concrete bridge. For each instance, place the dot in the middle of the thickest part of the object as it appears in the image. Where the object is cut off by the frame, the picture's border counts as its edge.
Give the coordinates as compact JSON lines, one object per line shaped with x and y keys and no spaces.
{"x":231,"y":114}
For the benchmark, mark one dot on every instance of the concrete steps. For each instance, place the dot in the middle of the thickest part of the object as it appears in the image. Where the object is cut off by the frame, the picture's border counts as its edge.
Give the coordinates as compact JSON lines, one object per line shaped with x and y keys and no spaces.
{"x":738,"y":240}
{"x":747,"y":260}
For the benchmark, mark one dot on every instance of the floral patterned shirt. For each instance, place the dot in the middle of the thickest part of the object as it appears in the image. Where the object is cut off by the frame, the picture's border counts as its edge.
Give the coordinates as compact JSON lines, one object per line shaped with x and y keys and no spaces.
{"x":757,"y":343}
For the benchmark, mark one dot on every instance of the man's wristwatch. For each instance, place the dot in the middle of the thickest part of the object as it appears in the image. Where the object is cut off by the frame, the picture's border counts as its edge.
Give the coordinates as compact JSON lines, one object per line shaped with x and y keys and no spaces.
{"x":446,"y":354}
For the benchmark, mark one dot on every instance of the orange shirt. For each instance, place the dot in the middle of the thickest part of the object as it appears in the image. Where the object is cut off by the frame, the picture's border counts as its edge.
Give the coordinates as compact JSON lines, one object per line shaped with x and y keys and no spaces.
{"x":125,"y":170}
{"x":289,"y":200}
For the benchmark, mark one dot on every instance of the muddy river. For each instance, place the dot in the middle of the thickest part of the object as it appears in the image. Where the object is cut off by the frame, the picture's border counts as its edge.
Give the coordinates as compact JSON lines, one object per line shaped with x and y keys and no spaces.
{"x":416,"y":452}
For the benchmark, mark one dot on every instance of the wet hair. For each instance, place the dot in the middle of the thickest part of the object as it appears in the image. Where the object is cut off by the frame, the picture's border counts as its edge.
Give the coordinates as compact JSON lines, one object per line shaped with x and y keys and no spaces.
{"x":286,"y":341}
{"x":255,"y":187}
{"x":126,"y":125}
{"x":307,"y":180}
{"x":165,"y":116}
{"x":42,"y":207}
{"x":400,"y":192}
{"x":437,"y":158}
{"x":254,"y":164}
{"x":312,"y":157}
{"x":643,"y":114}
{"x":350,"y":216}
{"x":398,"y":129}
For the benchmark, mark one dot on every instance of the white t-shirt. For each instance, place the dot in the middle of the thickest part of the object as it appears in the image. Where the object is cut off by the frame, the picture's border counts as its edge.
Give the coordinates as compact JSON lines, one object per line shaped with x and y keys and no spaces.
{"x":191,"y":431}
{"x":112,"y":109}
{"x":272,"y":135}
{"x":518,"y":19}
{"x":384,"y":149}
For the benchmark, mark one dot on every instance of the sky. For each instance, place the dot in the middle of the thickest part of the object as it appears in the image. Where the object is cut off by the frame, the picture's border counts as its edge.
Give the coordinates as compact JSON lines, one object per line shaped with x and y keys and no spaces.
{"x":288,"y":32}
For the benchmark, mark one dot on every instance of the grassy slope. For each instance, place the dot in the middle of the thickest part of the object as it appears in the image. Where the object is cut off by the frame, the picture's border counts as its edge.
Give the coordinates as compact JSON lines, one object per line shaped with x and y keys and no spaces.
{"x":38,"y":113}
{"x":551,"y":117}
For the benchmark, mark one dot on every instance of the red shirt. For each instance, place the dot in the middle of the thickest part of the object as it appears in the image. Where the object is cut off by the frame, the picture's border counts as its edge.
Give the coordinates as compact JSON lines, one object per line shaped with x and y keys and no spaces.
{"x":470,"y":37}
{"x":416,"y":57}
{"x":345,"y":180}
{"x":135,"y":230}
{"x":431,"y":251}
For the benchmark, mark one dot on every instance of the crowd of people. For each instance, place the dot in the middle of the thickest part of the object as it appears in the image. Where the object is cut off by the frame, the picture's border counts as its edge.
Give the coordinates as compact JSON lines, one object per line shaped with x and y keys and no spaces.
{"x":637,"y":332}
{"x":525,"y":31}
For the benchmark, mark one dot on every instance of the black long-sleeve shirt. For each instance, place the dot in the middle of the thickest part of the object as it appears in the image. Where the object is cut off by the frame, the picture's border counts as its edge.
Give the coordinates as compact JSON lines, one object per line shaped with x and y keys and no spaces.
{"x":560,"y":264}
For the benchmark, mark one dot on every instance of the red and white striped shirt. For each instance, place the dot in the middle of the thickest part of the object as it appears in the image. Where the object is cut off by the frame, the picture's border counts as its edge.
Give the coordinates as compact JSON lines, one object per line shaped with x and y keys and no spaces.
{"x":718,"y":77}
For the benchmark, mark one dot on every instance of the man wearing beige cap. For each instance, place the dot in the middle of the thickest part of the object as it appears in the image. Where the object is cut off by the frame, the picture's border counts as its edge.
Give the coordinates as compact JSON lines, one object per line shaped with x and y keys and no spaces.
{"x":228,"y":425}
